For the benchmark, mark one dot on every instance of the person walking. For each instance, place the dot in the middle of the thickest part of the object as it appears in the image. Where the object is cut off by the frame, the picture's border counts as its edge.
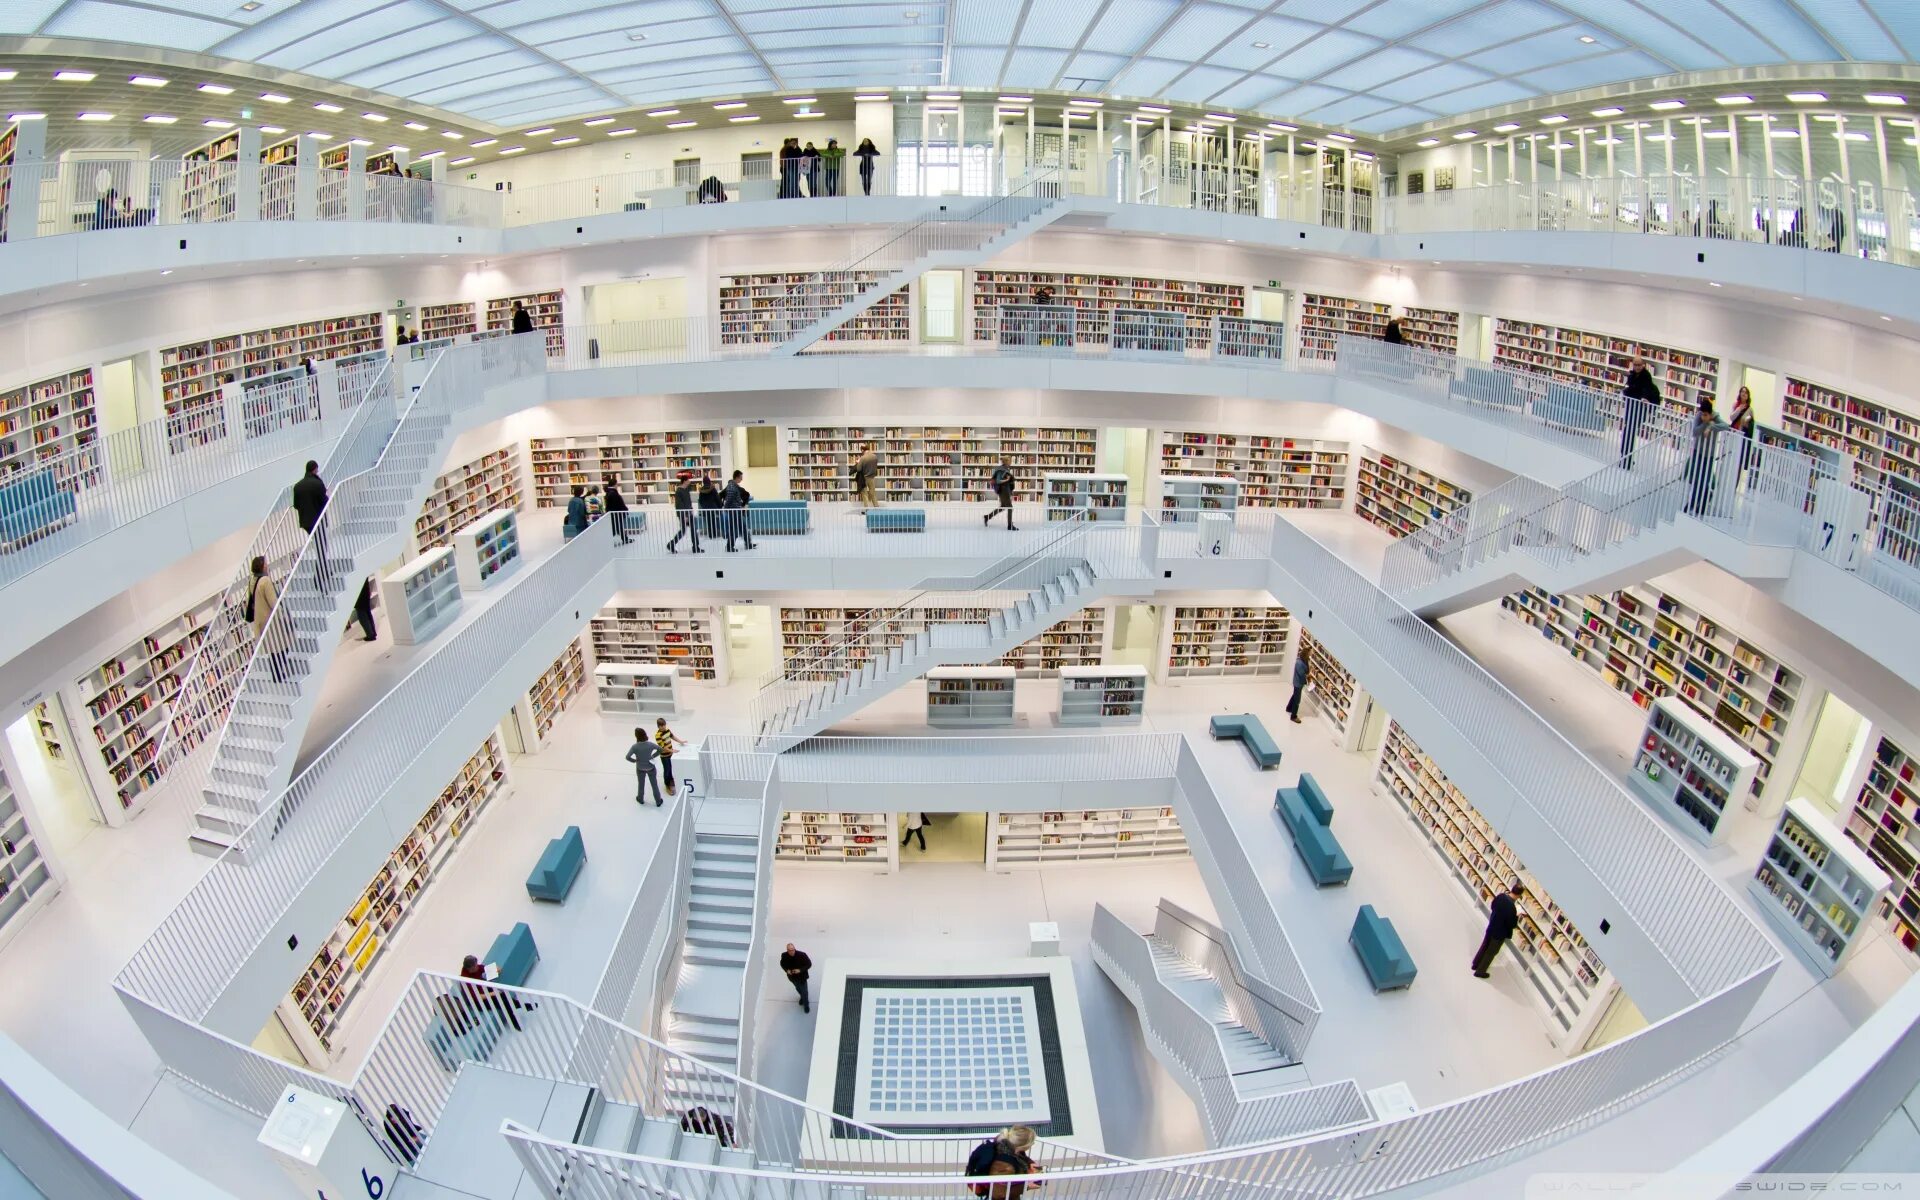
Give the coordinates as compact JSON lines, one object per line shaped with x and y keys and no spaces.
{"x":710,"y":506}
{"x":683,"y":511}
{"x":866,"y":153}
{"x":666,"y":741}
{"x":830,"y":161}
{"x":576,"y":522}
{"x":616,"y":505}
{"x":1642,"y":398}
{"x":522,"y":319}
{"x":642,"y":754}
{"x":789,"y":169}
{"x":916,"y":828}
{"x":1394,"y":336}
{"x":1010,"y":1153}
{"x":866,"y":469}
{"x":796,"y":964}
{"x":1299,"y":685}
{"x":810,"y":168}
{"x":1002,"y":483}
{"x":734,"y":499}
{"x":1503,"y":917}
{"x":363,"y":609}
{"x":1702,"y":458}
{"x":309,"y":505}
{"x":261,"y":597}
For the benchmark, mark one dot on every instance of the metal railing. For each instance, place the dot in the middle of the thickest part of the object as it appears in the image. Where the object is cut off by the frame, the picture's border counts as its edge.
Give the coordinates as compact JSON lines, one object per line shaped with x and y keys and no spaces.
{"x":642,"y":950}
{"x":1125,"y":333}
{"x":1044,"y":758}
{"x":1255,"y":1004}
{"x":646,"y":190}
{"x":754,"y":978}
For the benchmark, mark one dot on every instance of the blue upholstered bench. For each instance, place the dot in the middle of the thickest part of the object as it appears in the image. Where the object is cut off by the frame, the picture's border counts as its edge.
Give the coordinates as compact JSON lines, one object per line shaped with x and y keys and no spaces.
{"x":32,"y":506}
{"x":1485,"y":386}
{"x":480,"y":1030}
{"x":1571,"y":408}
{"x":1314,"y":842}
{"x":1383,"y":955}
{"x":1308,"y":793}
{"x":896,"y":520}
{"x":1252,"y":734}
{"x":778,"y":516}
{"x":515,"y":954}
{"x":559,"y":866}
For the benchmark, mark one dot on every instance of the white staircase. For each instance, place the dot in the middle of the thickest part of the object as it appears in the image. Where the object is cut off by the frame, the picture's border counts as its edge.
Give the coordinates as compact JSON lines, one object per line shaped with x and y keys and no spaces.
{"x":1256,"y":1065}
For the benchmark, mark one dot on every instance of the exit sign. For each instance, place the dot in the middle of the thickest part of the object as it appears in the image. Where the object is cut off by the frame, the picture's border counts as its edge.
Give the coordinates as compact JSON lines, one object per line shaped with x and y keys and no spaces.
{"x":1273,"y":283}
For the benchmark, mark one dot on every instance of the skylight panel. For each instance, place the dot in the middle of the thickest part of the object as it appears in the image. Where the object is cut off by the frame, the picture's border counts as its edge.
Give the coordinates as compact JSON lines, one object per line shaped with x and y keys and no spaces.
{"x":1608,"y":68}
{"x":976,"y":66}
{"x":121,"y":23}
{"x":827,"y":42}
{"x":592,"y":30}
{"x":278,"y":30}
{"x":1735,"y":39}
{"x":1397,"y":18}
{"x":25,"y":16}
{"x":1633,"y":23}
{"x":395,"y":48}
{"x":493,"y":66}
{"x":1148,"y":77}
{"x":1254,"y":91}
{"x":1033,"y":67}
{"x":1388,"y":62}
{"x":1476,"y":31}
{"x":1090,"y":64}
{"x":1483,"y":95}
{"x":986,"y":22}
{"x":367,"y":29}
{"x":1326,"y":12}
{"x":1279,"y":33}
{"x":480,"y":84}
{"x":1203,"y":82}
{"x":397,"y":75}
{"x":1058,"y":24}
{"x":1126,"y":27}
{"x":1332,"y":49}
{"x":1197,"y":31}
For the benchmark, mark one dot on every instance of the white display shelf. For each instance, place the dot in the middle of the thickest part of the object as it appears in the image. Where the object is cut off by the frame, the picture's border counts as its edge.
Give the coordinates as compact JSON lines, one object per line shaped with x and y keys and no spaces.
{"x":463,"y":494}
{"x":1076,"y":640}
{"x":1030,"y":840}
{"x":1817,"y":885}
{"x":643,"y":464}
{"x":554,"y":691}
{"x":448,"y":320}
{"x":48,"y":733}
{"x":1570,"y":984}
{"x":1436,"y":329}
{"x":26,"y":876}
{"x":1885,"y":822}
{"x":280,"y":189}
{"x":1221,"y":641}
{"x":970,"y":696}
{"x":921,"y":463}
{"x":1185,"y":499}
{"x":1323,"y":319}
{"x":1647,"y":644}
{"x":1274,"y":472}
{"x":637,"y":690}
{"x":191,"y":373}
{"x":421,"y":597}
{"x":318,"y":1004}
{"x":548,"y":310}
{"x":488,"y":550}
{"x":1201,"y":302}
{"x":754,"y":308}
{"x":1103,"y":695}
{"x":208,"y":191}
{"x":1400,"y":497}
{"x":52,"y":418}
{"x":1691,"y":772}
{"x":1102,"y":497}
{"x":1601,"y":361}
{"x":691,"y":640}
{"x":840,"y":840}
{"x":1882,"y":441}
{"x":1336,"y":694}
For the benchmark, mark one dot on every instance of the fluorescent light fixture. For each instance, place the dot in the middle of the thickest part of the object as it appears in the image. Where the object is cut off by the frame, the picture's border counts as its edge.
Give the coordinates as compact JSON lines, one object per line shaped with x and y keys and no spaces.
{"x":1016,"y":99}
{"x":449,"y":133}
{"x":1612,"y":141}
{"x":272,"y":129}
{"x":598,"y":121}
{"x":8,"y":75}
{"x":461,"y":162}
{"x":276,"y":98}
{"x":870,"y":96}
{"x":807,"y":116}
{"x":661,"y":112}
{"x":1718,"y":133}
{"x":801,"y":100}
{"x":1711,"y":283}
{"x":416,"y":126}
{"x":540,"y":132}
{"x":147,"y":81}
{"x":1556,"y":119}
{"x":74,"y":76}
{"x":216,"y":89}
{"x":1667,"y":137}
{"x":1609,"y":111}
{"x":1807,"y":97}
{"x":729,"y":106}
{"x":1155,"y":109}
{"x":1887,"y":98}
{"x":317,"y":136}
{"x":1464,"y":134}
{"x":358,"y":142}
{"x":670,"y":125}
{"x":1344,"y":140}
{"x":1087,"y":103}
{"x":1223,"y":118}
{"x":1424,"y":143}
{"x":565,"y":141}
{"x":376,"y":118}
{"x":950,"y":108}
{"x":1011,"y":112}
{"x":400,"y":149}
{"x":431,"y":154}
{"x":944,"y":98}
{"x":483,"y":143}
{"x":634,"y":35}
{"x":150,"y":118}
{"x":251,"y":6}
{"x":1506,"y":127}
{"x":513,"y":150}
{"x":1730,"y":101}
{"x":1783,"y":133}
{"x":1587,"y":39}
{"x":1667,"y":105}
{"x":323,"y":106}
{"x":1142,"y":121}
{"x":745,"y":119}
{"x":217,"y":123}
{"x":1852,"y":136}
{"x":96,"y":116}
{"x":1563,"y":145}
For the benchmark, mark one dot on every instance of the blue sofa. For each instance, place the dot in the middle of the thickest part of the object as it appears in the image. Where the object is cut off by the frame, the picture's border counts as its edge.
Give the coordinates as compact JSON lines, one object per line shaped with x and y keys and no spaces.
{"x":1484,"y":386}
{"x":479,"y":1031}
{"x":1313,"y":841}
{"x":778,"y":516}
{"x":1382,"y":954}
{"x":515,"y":953}
{"x":896,"y":520}
{"x":1307,"y":792}
{"x":559,"y":866}
{"x":1252,"y":734}
{"x":1570,"y":408}
{"x":32,"y":505}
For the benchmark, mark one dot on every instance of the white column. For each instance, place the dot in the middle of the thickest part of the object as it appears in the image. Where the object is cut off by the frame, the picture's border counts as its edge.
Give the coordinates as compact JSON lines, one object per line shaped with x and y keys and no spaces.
{"x":306,"y":180}
{"x":246,"y":176}
{"x":29,"y":152}
{"x":356,"y":181}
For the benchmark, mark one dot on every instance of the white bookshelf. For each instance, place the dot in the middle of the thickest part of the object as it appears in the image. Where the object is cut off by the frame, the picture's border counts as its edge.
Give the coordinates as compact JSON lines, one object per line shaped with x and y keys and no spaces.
{"x":279,"y":181}
{"x":1690,"y":771}
{"x":920,"y":463}
{"x":1030,"y":840}
{"x":1323,"y":319}
{"x":970,"y":696}
{"x":1436,"y":329}
{"x":1185,"y":499}
{"x":1221,"y":641}
{"x":1201,"y":302}
{"x":840,"y":840}
{"x":51,"y":418}
{"x":691,"y":640}
{"x":447,"y":320}
{"x":1602,"y":360}
{"x":421,"y":597}
{"x":1076,"y":640}
{"x":462,"y":495}
{"x":553,"y":692}
{"x":548,"y":310}
{"x":488,"y":550}
{"x":1400,"y":497}
{"x":1335,"y":693}
{"x":26,"y":875}
{"x":1273,"y":472}
{"x":1570,"y":985}
{"x":754,"y":308}
{"x":1885,"y":822}
{"x":1102,"y":497}
{"x":1103,"y":695}
{"x":643,"y":463}
{"x":191,"y":372}
{"x":317,"y":1007}
{"x":1882,"y":441}
{"x":637,"y":690}
{"x":208,"y":190}
{"x":48,"y":731}
{"x":1817,"y":885}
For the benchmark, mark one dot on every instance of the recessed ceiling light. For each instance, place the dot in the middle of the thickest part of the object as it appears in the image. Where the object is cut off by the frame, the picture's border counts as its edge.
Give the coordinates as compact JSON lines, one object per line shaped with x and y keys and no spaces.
{"x":461,"y":162}
{"x":74,"y":76}
{"x":661,"y":112}
{"x":276,"y":98}
{"x":1717,"y":133}
{"x":96,"y":116}
{"x":597,"y":122}
{"x":1464,"y":134}
{"x":449,"y":133}
{"x":1506,"y":127}
{"x":513,"y":150}
{"x":742,"y":120}
{"x":400,"y":149}
{"x":1344,"y":139}
{"x":250,"y":6}
{"x":147,"y":81}
{"x":1563,"y":145}
{"x":1733,"y":100}
{"x":1223,"y":118}
{"x":635,"y":35}
{"x":416,"y":126}
{"x":216,"y":89}
{"x":1263,"y":45}
{"x":1612,"y":141}
{"x":944,"y":98}
{"x":1807,"y":97}
{"x":1587,"y":39}
{"x":358,"y":142}
{"x":801,"y":100}
{"x":540,"y":132}
{"x":26,"y":116}
{"x":1016,"y":99}
{"x":873,"y":96}
{"x":323,"y":106}
{"x":432,"y":154}
{"x":1423,"y":143}
{"x":1155,"y":108}
{"x":1556,"y":119}
{"x":670,"y":125}
{"x":565,"y":141}
{"x":1852,"y":136}
{"x":1711,"y":283}
{"x":1277,"y":127}
{"x":376,"y":118}
{"x":317,"y":136}
{"x":150,"y":118}
{"x":1141,"y":121}
{"x":1667,"y":105}
{"x":167,"y":271}
{"x":1011,"y":112}
{"x":217,"y":123}
{"x":8,"y":74}
{"x":729,"y":106}
{"x":1783,"y":133}
{"x":483,"y":143}
{"x":1667,"y":137}
{"x":807,"y":116}
{"x":272,"y":129}
{"x":1609,"y":111}
{"x":1087,"y":103}
{"x":1887,"y":98}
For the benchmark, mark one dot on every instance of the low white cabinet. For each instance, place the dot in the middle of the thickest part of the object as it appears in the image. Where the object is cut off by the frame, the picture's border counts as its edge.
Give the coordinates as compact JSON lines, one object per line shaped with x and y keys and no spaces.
{"x":1102,"y":695}
{"x":970,"y":696}
{"x":422,"y":597}
{"x":1101,"y":497}
{"x":637,"y":690}
{"x":488,"y":550}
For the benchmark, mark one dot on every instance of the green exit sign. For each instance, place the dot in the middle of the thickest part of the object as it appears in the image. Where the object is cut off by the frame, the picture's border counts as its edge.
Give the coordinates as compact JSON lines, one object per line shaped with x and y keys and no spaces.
{"x":1273,"y":283}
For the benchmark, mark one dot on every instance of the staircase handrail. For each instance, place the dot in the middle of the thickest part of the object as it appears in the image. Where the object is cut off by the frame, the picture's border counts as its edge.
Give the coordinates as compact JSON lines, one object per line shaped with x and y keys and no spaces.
{"x":1250,"y":999}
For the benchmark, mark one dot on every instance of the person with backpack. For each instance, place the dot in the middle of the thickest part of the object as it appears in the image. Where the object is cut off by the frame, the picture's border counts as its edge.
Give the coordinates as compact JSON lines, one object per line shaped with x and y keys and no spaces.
{"x":734,"y":499}
{"x":616,"y":506}
{"x":576,"y":522}
{"x":1007,"y":1154}
{"x":1002,"y":483}
{"x":866,"y":469}
{"x":683,"y":512}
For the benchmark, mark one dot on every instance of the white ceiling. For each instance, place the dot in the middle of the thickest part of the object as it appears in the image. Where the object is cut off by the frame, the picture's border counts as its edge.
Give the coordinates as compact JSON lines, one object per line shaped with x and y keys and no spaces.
{"x":1369,"y":65}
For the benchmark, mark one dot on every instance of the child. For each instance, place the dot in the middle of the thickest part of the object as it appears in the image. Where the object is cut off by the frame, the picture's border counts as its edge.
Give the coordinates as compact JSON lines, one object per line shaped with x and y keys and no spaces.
{"x":666,"y":739}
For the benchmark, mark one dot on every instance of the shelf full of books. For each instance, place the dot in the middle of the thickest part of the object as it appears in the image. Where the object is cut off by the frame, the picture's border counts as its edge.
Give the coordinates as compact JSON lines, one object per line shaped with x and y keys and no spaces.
{"x":1400,"y":497}
{"x":26,"y":876}
{"x":209,"y":181}
{"x":1817,"y":885}
{"x":555,"y":689}
{"x":754,"y":309}
{"x":447,"y":320}
{"x":691,"y":640}
{"x":837,"y":839}
{"x":1436,"y":329}
{"x":920,"y":463}
{"x":970,"y":696}
{"x":321,"y":998}
{"x":1274,"y":472}
{"x":1114,"y":695}
{"x":51,"y":740}
{"x":467,"y":492}
{"x":52,"y":421}
{"x":422,"y":597}
{"x":1078,"y":640}
{"x":1101,"y":498}
{"x":1335,"y":693}
{"x":1323,"y":319}
{"x":643,"y":464}
{"x":191,"y":373}
{"x":1200,"y":302}
{"x":547,"y":309}
{"x":1185,"y":499}
{"x":1645,"y":644}
{"x":1029,"y":840}
{"x":1568,"y":981}
{"x":1885,"y":822}
{"x":488,"y":550}
{"x":1882,"y":441}
{"x":1216,"y":641}
{"x":1690,"y":771}
{"x":1601,"y":360}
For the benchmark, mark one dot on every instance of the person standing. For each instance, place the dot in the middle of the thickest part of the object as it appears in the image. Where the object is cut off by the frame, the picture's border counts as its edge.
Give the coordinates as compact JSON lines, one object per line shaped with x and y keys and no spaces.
{"x":1741,"y":421}
{"x":522,"y":319}
{"x":363,"y":609}
{"x":1642,"y":398}
{"x":616,"y":508}
{"x":916,"y":828}
{"x":1394,"y":336}
{"x":1299,"y":684}
{"x":789,"y":169}
{"x":810,"y":167}
{"x":796,"y":964}
{"x":866,"y":153}
{"x":683,"y":511}
{"x":261,"y":597}
{"x":666,"y":741}
{"x":1002,"y":483}
{"x":1503,"y":917}
{"x":734,"y":499}
{"x":1702,"y":458}
{"x":866,"y":469}
{"x":576,"y":522}
{"x":309,"y":504}
{"x":709,"y":506}
{"x":642,"y":754}
{"x":830,"y":160}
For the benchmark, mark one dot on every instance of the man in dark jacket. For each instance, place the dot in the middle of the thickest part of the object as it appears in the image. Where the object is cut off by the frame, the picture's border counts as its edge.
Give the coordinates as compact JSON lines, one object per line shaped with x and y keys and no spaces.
{"x":709,"y":506}
{"x":1299,"y":685}
{"x":734,"y":499}
{"x":1502,"y":918}
{"x":1002,"y":484}
{"x":309,"y":501}
{"x":1642,"y":398}
{"x":683,"y":510}
{"x":796,"y":964}
{"x":522,"y":319}
{"x":616,"y":506}
{"x":363,"y":609}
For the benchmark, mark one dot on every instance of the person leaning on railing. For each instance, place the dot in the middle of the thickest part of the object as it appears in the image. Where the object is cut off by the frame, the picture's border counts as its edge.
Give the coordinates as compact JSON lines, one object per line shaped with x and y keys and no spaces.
{"x":1641,"y":397}
{"x":1007,"y":1154}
